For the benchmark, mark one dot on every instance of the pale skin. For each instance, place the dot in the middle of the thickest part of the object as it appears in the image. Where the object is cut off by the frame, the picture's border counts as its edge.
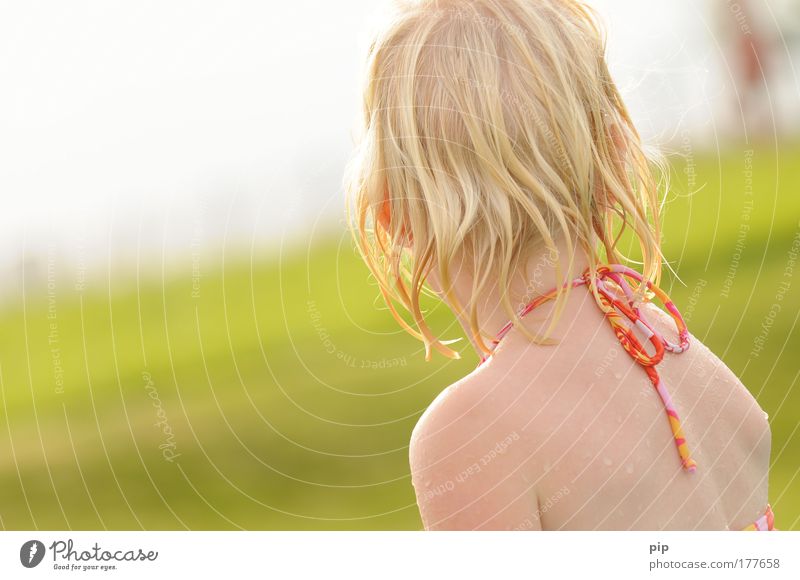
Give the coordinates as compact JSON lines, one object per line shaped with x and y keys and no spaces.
{"x":574,"y":437}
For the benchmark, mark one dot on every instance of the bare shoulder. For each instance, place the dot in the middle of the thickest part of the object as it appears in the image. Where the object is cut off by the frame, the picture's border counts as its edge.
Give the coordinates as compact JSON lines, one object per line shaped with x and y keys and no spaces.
{"x":698,"y":354}
{"x":467,"y":463}
{"x":451,"y":424}
{"x":720,"y":384}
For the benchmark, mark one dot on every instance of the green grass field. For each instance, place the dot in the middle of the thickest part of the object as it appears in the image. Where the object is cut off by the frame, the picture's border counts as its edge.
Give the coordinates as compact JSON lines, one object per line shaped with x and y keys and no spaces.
{"x":277,"y":393}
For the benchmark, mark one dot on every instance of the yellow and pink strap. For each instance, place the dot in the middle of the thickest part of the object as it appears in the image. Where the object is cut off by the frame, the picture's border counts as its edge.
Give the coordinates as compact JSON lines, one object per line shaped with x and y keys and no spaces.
{"x":615,"y":310}
{"x":766,"y":523}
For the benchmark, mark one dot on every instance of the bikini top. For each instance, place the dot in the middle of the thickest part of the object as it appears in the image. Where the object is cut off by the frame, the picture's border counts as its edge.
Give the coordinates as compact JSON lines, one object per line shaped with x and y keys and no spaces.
{"x":615,"y":310}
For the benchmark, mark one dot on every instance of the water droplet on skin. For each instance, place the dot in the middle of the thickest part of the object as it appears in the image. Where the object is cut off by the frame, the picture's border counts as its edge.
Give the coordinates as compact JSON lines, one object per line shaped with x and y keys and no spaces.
{"x":617,"y":375}
{"x":607,"y":461}
{"x":629,"y":469}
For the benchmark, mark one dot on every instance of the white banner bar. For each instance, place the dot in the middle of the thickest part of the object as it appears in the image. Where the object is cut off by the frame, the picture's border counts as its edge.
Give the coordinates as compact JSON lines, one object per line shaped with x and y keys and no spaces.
{"x":373,"y":555}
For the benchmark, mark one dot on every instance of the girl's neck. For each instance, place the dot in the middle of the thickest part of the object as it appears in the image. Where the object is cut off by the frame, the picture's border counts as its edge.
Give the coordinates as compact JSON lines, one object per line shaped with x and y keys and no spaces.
{"x":525,"y":285}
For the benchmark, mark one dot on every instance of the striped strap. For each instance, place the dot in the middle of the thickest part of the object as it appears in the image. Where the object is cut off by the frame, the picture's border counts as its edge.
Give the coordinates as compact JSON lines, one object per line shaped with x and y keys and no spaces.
{"x":766,"y":523}
{"x":615,"y":310}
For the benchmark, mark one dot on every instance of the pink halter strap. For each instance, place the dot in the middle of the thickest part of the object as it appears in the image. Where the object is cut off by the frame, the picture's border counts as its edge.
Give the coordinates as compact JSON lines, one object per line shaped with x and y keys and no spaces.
{"x":615,"y":311}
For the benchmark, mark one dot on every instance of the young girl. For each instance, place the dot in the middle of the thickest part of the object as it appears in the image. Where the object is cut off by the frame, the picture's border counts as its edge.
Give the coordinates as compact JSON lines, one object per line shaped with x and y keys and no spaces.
{"x":499,"y":167}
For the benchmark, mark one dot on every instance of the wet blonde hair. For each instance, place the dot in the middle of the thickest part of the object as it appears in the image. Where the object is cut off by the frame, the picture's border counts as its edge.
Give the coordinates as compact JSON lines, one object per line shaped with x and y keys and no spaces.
{"x":492,"y":128}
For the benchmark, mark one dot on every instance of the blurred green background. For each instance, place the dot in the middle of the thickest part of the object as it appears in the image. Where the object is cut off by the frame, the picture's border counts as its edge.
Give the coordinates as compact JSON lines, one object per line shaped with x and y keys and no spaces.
{"x":275,"y":391}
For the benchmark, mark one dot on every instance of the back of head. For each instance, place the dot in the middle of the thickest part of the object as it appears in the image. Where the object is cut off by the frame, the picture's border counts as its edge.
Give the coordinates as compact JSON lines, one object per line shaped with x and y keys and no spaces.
{"x":492,"y":128}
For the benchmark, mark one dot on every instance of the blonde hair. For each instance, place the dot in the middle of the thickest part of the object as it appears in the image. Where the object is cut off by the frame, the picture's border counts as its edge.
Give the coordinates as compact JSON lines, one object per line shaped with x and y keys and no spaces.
{"x":492,"y":128}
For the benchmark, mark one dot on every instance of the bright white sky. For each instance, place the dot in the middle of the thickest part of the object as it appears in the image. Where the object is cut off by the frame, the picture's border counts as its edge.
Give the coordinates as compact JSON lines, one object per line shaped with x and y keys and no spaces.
{"x":117,"y":119}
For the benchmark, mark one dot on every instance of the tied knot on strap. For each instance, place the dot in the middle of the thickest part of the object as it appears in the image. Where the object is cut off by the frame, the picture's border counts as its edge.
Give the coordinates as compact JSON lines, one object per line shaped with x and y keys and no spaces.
{"x":617,"y":307}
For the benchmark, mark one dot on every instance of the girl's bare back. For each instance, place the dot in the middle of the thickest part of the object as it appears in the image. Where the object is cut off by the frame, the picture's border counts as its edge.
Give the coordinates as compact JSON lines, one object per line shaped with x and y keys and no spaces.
{"x":574,"y":436}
